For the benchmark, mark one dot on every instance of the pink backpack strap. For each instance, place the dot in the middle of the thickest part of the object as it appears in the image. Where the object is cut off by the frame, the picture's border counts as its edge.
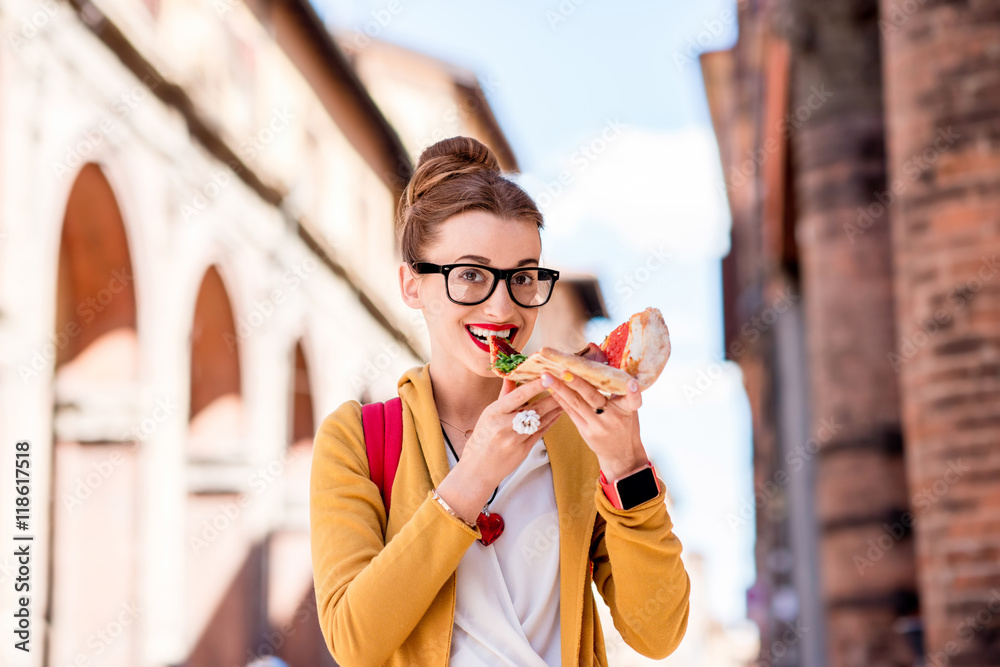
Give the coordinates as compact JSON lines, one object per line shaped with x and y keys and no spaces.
{"x":393,"y":444}
{"x":383,"y":427}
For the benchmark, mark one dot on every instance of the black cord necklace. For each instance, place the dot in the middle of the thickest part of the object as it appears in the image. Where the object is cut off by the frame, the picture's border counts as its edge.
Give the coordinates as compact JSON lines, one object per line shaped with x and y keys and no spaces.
{"x":490,"y":525}
{"x":456,"y":458}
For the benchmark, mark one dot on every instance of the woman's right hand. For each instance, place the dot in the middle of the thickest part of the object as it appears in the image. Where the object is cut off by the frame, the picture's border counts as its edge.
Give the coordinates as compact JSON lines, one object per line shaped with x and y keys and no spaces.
{"x":495,"y":449}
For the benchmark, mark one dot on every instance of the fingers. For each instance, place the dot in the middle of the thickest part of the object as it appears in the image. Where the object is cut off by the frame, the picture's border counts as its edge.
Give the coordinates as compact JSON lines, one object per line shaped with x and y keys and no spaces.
{"x":573,"y":410}
{"x":542,"y":405}
{"x":576,"y":391}
{"x":519,"y":396}
{"x":579,"y":397}
{"x":547,"y":408}
{"x":546,"y":422}
{"x":569,"y":401}
{"x":508,"y":386}
{"x":631,"y":401}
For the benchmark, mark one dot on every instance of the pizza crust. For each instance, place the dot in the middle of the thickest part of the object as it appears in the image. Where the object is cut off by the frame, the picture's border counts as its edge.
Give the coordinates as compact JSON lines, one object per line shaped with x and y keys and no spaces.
{"x":555,"y":362}
{"x":648,"y":349}
{"x":653,"y":345}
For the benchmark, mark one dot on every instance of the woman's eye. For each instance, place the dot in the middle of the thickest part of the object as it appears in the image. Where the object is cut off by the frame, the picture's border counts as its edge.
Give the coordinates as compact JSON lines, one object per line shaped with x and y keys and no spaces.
{"x":522,"y":279}
{"x":471,"y":276}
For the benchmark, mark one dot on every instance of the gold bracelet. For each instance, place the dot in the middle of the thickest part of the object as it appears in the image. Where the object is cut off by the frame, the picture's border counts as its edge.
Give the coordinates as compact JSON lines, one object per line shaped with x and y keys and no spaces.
{"x":449,"y":510}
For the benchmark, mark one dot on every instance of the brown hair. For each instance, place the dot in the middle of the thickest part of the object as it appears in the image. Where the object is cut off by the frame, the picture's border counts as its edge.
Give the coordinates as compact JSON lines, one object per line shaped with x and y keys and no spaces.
{"x":455,"y":175}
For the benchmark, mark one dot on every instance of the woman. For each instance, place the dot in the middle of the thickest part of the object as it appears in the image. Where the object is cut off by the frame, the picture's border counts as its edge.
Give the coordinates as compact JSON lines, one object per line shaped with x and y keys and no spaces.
{"x":423,"y":587}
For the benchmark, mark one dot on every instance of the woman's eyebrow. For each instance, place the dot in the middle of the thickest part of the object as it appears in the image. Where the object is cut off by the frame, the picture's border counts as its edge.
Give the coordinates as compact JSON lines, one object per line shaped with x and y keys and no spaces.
{"x":479,"y":259}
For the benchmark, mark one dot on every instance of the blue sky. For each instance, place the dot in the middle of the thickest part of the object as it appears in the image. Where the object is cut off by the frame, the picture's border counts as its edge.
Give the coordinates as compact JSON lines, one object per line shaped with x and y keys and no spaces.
{"x":604,"y":106}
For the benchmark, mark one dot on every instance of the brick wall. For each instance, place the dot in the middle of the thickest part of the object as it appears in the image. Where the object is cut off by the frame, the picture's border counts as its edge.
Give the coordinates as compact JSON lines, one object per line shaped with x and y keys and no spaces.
{"x":838,"y":166}
{"x":942,"y":93}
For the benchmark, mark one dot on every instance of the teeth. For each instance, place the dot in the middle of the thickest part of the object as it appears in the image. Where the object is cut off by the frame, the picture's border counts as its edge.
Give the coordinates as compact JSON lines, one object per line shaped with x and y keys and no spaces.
{"x":479,"y":332}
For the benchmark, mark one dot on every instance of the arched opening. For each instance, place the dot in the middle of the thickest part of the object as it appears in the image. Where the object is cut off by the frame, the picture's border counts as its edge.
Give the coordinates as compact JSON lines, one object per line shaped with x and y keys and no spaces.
{"x":95,"y":518}
{"x":95,"y":302}
{"x":291,"y":598}
{"x":225,"y":559}
{"x":216,"y":410}
{"x":303,"y":422}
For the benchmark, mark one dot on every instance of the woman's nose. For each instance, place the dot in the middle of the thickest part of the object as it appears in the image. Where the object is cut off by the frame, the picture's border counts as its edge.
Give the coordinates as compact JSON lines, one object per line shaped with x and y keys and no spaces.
{"x":499,"y":305}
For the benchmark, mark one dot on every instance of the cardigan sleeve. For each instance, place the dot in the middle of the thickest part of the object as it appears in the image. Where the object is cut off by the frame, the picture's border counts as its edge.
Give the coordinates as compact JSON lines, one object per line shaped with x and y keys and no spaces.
{"x":639,"y":573}
{"x":369,"y":595}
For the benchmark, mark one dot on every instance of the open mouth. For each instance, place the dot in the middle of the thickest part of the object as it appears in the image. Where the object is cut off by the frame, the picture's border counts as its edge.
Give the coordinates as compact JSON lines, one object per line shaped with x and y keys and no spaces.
{"x":481,"y":336}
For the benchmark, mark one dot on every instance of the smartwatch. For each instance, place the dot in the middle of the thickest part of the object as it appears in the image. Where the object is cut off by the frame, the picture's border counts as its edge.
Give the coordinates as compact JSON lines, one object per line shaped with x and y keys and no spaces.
{"x":633,"y":488}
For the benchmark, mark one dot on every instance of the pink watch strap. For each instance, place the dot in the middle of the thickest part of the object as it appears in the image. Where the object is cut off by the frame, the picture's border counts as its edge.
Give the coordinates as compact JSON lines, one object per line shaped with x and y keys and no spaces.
{"x":611,"y":493}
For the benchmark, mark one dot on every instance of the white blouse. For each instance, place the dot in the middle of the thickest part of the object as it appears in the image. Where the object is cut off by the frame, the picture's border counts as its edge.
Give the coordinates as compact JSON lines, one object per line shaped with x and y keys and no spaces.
{"x":507,"y":598}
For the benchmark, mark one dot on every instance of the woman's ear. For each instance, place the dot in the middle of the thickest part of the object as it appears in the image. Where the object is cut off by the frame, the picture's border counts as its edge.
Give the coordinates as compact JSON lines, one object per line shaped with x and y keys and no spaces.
{"x":408,"y":287}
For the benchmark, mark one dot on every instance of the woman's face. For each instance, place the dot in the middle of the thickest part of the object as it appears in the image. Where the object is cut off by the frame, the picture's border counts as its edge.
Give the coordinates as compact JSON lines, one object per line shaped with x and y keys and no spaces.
{"x":474,"y":237}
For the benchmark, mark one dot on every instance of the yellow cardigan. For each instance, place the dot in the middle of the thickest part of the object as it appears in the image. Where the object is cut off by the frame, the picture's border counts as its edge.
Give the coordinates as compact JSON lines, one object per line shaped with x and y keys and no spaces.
{"x":392,"y":601}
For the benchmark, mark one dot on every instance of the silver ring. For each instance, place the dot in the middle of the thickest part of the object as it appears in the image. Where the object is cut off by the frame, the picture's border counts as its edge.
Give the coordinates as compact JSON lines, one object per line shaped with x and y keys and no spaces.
{"x":527,"y":422}
{"x":600,"y":410}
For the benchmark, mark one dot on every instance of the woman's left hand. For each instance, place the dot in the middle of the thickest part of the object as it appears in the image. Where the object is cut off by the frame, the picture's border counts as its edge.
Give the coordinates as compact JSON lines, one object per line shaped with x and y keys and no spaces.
{"x":613,"y":435}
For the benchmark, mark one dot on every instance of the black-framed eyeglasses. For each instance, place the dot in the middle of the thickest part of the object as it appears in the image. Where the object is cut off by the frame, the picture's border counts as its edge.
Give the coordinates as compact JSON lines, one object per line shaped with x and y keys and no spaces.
{"x":471,"y":284}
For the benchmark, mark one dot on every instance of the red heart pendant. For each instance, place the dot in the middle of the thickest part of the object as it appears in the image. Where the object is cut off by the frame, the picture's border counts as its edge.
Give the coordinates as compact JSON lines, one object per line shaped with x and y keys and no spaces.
{"x":490,"y":526}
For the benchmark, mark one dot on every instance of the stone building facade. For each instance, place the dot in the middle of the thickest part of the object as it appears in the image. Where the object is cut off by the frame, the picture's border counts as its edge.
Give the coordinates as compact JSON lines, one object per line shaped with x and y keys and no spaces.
{"x":196,"y":224}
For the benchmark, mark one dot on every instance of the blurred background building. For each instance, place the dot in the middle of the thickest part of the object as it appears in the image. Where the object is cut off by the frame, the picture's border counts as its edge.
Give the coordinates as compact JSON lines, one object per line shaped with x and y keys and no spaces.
{"x":197,"y":200}
{"x":860,"y":144}
{"x":197,"y":263}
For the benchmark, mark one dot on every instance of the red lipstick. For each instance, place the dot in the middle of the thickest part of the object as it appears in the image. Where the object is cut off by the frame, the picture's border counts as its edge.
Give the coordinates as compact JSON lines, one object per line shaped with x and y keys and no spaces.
{"x":484,"y":344}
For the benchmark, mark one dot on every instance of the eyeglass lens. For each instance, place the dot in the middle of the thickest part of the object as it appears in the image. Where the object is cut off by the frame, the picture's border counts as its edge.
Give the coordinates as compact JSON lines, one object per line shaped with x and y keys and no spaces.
{"x":470,"y":284}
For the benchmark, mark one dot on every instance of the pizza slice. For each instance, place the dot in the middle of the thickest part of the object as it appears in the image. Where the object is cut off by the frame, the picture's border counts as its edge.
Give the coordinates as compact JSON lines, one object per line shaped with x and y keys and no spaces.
{"x":503,"y":357}
{"x":638,"y":348}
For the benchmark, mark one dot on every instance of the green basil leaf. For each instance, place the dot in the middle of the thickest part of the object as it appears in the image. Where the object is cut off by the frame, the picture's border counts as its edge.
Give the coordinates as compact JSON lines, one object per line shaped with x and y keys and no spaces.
{"x":506,"y":363}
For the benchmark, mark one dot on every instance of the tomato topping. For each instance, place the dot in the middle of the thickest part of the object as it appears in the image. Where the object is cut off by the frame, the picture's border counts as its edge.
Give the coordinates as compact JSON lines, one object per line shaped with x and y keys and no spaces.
{"x":614,"y":344}
{"x":501,"y":345}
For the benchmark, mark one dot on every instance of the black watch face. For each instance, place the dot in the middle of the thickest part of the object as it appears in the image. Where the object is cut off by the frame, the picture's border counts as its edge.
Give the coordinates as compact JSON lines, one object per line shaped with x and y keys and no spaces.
{"x":638,"y":488}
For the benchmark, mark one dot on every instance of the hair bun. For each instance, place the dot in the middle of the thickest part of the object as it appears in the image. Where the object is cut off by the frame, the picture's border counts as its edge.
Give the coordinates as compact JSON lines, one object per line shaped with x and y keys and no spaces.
{"x":452,"y":176}
{"x":449,"y":158}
